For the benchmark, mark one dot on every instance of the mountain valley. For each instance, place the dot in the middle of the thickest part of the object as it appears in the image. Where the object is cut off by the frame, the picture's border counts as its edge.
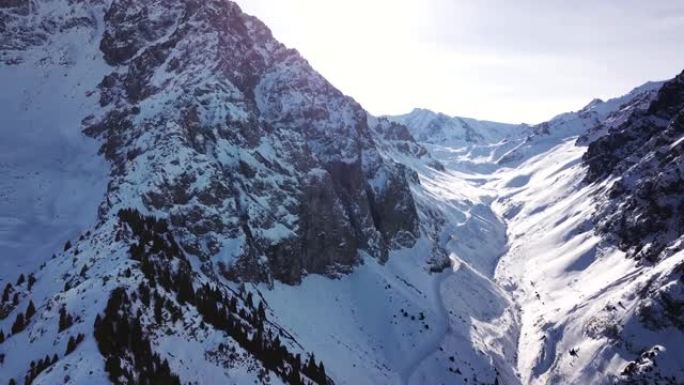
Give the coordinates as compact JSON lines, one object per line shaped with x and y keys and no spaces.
{"x":185,"y":200}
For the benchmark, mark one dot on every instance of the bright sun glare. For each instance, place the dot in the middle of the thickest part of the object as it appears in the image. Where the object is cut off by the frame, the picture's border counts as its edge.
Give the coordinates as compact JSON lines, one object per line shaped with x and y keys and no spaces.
{"x":489,"y":59}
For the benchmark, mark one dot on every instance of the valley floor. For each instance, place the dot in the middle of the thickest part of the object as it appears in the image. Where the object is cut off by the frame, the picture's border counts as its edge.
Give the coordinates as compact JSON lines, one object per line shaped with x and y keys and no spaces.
{"x":565,"y":295}
{"x":524,"y":301}
{"x":402,"y":324}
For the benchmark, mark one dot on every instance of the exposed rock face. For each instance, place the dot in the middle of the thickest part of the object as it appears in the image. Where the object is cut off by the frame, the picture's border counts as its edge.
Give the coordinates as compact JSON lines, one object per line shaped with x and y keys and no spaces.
{"x":13,"y":3}
{"x":664,"y":304}
{"x":643,"y":160}
{"x":230,"y":157}
{"x":396,"y":139}
{"x":639,"y":162}
{"x":210,"y":122}
{"x":432,"y":127}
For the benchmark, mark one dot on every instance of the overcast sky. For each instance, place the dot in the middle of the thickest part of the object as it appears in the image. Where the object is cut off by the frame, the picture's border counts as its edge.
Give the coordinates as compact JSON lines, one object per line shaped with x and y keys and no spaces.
{"x":505,"y":60}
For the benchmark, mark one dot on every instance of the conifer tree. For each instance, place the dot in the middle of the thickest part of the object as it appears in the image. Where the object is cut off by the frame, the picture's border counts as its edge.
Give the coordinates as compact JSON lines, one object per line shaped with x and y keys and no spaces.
{"x":19,"y":324}
{"x":31,"y":281}
{"x":321,"y":373}
{"x":71,"y":345}
{"x":6,"y":292}
{"x":63,"y":319}
{"x":261,"y":311}
{"x":30,"y":310}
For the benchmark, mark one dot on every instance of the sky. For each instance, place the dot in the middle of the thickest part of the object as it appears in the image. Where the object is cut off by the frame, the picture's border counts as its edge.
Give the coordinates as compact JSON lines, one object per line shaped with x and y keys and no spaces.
{"x":501,"y":60}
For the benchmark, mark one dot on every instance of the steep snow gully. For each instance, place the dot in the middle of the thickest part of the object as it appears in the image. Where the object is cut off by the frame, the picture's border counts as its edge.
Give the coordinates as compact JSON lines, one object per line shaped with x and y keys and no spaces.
{"x":534,"y":289}
{"x":432,"y":343}
{"x":495,"y":287}
{"x":540,"y":308}
{"x":469,"y":289}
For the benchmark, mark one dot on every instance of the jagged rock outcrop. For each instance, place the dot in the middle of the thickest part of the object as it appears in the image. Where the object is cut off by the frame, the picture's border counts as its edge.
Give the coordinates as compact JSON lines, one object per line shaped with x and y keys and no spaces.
{"x":210,"y":122}
{"x":234,"y":159}
{"x":638,"y":164}
{"x":431,"y":127}
{"x":643,"y":160}
{"x":397,"y":141}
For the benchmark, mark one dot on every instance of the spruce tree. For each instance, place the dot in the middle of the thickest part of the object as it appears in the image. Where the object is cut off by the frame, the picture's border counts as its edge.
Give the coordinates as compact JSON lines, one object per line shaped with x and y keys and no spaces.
{"x":31,"y":281}
{"x":261,"y":311}
{"x":71,"y":346}
{"x":19,"y":324}
{"x":158,"y":310}
{"x":62,"y":318}
{"x":294,"y":378}
{"x":31,"y":310}
{"x":113,"y":367}
{"x":6,"y":292}
{"x":321,"y":372}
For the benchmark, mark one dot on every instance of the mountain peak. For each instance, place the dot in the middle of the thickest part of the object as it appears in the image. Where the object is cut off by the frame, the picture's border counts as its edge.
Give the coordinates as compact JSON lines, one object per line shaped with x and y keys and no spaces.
{"x":185,"y":200}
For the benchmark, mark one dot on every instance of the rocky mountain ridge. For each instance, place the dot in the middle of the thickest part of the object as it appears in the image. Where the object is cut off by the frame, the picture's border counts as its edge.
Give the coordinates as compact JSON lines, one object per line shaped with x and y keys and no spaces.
{"x":188,"y":133}
{"x":239,"y":182}
{"x":257,"y":167}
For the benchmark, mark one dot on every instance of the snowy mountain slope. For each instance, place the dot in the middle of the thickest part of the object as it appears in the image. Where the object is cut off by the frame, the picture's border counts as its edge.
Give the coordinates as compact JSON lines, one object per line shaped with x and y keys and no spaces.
{"x":254,"y":225}
{"x":404,"y":321}
{"x":642,"y":159}
{"x":433,"y":127}
{"x":583,"y":311}
{"x":579,"y":297}
{"x":470,"y":144}
{"x":238,"y":161}
{"x":174,"y":126}
{"x":263,"y":162}
{"x":592,"y":120}
{"x":477,"y":146}
{"x":51,"y":178}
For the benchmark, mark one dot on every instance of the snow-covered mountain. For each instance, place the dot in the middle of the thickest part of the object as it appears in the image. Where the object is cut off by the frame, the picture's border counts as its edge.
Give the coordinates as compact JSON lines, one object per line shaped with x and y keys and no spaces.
{"x":482,"y":147}
{"x":591,"y":204}
{"x":434,"y":127}
{"x":185,"y":200}
{"x":228,"y":160}
{"x":594,"y":260}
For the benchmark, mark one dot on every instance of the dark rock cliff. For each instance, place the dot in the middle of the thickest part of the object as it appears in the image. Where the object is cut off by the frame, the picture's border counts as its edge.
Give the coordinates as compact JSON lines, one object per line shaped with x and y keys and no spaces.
{"x":642,"y":159}
{"x":210,"y":122}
